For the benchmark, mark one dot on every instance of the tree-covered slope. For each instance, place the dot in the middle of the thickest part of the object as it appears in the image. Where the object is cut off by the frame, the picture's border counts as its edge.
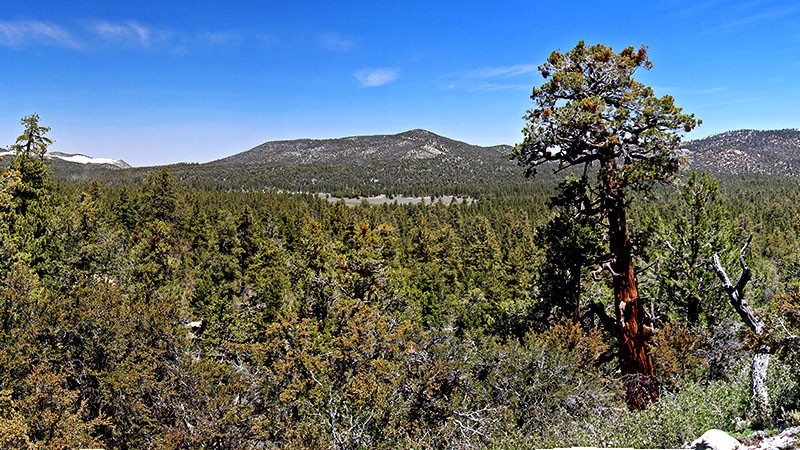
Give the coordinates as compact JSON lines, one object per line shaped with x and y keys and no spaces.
{"x":769,"y":152}
{"x":411,"y":145}
{"x":413,"y":162}
{"x":422,"y":163}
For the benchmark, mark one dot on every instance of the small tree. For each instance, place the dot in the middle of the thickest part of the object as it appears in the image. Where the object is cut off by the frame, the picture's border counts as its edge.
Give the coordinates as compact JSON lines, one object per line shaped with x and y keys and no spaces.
{"x":572,"y":244}
{"x":31,"y":171}
{"x":593,"y":116}
{"x":32,"y":141}
{"x":687,"y":283}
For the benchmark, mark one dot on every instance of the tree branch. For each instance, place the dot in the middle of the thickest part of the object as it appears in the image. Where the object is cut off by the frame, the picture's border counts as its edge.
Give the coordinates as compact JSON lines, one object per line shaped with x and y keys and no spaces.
{"x":604,"y":266}
{"x":785,"y":342}
{"x":605,"y":320}
{"x":723,"y":276}
{"x":746,"y":273}
{"x":736,"y":293}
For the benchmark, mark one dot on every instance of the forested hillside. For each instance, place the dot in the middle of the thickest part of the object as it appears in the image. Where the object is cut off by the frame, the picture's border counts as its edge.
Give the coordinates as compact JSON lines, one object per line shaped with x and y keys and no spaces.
{"x":420,"y":163}
{"x":771,"y":152}
{"x":161,"y":316}
{"x":416,"y":162}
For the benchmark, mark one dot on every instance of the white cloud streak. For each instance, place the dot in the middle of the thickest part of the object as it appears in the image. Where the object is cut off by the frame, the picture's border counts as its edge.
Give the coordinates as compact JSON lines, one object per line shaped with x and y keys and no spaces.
{"x":127,"y":34}
{"x":682,"y":90}
{"x":336,"y":42}
{"x":130,"y":32}
{"x":18,"y":34}
{"x":763,"y":16}
{"x":374,"y":77}
{"x":504,"y":71}
{"x":494,"y":87}
{"x":490,"y":79}
{"x":222,"y":38}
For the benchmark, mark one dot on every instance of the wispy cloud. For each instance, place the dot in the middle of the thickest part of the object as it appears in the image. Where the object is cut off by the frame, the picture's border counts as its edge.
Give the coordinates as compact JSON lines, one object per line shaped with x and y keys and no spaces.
{"x":735,"y":101}
{"x":267,"y":40}
{"x":222,"y":37}
{"x":683,"y":9}
{"x":24,"y":33}
{"x":763,"y":16}
{"x":336,"y":42}
{"x":494,"y":87}
{"x":503,"y":71}
{"x":376,"y":76}
{"x":682,"y":90}
{"x":129,"y":33}
{"x":490,"y":79}
{"x":706,"y":91}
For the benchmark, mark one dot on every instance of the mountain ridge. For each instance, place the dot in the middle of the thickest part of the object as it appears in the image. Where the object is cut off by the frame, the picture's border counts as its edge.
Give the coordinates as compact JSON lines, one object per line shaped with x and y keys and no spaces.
{"x":77,"y":158}
{"x":420,"y":162}
{"x":416,"y":144}
{"x":747,"y":151}
{"x":735,"y":152}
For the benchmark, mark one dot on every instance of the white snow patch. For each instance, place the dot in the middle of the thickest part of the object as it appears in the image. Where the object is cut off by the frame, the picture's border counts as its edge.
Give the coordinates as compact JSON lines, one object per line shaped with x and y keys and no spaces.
{"x":83,"y":159}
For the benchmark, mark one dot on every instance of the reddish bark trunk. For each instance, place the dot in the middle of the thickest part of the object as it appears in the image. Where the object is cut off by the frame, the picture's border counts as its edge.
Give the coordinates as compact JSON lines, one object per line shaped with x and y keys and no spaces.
{"x":633,"y":329}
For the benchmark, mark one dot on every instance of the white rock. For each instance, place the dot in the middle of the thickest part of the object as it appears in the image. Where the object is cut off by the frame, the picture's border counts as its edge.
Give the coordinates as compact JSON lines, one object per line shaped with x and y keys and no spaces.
{"x":716,"y":440}
{"x":195,"y":325}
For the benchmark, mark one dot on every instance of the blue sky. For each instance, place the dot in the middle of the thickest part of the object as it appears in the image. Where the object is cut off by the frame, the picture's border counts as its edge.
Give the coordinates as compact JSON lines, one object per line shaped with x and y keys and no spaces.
{"x":161,"y":82}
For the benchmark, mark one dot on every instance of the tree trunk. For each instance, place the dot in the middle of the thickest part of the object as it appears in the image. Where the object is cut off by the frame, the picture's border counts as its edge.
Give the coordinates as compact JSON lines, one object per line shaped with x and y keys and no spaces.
{"x":575,"y":294}
{"x":633,"y":332}
{"x":759,"y":396}
{"x":693,"y":309}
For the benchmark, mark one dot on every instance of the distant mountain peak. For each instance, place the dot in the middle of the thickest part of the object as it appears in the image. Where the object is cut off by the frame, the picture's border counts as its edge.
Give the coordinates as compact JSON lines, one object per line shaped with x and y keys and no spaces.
{"x":77,"y":158}
{"x":376,"y":163}
{"x":419,"y":133}
{"x":84,"y":159}
{"x":417,"y":144}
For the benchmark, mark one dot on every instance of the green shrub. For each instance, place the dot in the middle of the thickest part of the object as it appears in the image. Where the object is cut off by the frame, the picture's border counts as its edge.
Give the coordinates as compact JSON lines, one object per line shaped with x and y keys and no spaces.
{"x":554,"y":386}
{"x":678,"y":355}
{"x":678,"y":418}
{"x":783,"y":382}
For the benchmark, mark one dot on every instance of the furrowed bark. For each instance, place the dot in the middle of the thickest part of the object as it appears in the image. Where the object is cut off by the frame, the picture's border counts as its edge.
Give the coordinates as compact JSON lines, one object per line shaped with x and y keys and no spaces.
{"x":633,"y":332}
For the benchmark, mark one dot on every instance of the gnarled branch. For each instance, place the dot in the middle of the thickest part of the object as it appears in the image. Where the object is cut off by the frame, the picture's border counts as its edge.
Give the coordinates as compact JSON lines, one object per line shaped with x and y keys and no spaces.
{"x":736,"y":293}
{"x":603,"y":266}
